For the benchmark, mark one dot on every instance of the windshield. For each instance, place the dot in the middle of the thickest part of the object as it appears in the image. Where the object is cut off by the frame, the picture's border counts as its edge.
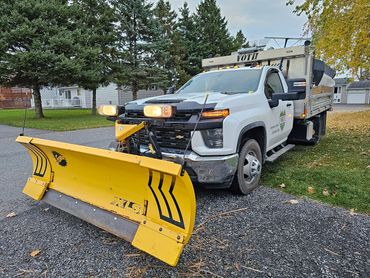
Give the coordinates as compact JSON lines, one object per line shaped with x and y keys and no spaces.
{"x":230,"y":81}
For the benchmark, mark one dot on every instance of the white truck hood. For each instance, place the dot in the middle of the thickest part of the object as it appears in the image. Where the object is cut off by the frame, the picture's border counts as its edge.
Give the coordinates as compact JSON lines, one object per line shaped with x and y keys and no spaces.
{"x":194,"y":97}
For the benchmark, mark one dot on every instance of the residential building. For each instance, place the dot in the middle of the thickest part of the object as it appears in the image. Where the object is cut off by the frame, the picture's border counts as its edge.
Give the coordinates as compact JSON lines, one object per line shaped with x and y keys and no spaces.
{"x":356,"y":92}
{"x":15,"y":97}
{"x":75,"y":96}
{"x":340,"y":87}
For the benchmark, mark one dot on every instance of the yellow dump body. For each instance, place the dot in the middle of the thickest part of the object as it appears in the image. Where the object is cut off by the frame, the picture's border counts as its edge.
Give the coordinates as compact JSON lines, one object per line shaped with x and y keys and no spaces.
{"x":146,"y":201}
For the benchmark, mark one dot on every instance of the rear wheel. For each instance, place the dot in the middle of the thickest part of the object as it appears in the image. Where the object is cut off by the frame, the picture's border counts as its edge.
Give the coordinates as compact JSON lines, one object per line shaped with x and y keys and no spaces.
{"x":248,"y":174}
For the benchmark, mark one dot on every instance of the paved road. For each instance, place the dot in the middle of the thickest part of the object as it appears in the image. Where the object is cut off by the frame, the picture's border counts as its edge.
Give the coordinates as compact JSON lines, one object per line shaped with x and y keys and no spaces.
{"x":266,"y":237}
{"x":16,"y":165}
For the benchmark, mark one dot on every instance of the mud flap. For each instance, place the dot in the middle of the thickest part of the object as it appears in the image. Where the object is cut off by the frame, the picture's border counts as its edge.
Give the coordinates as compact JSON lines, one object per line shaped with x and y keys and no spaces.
{"x":145,"y":201}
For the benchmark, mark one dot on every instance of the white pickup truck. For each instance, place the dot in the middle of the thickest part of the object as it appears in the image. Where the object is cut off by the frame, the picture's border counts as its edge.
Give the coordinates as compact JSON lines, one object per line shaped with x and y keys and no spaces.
{"x":245,"y":109}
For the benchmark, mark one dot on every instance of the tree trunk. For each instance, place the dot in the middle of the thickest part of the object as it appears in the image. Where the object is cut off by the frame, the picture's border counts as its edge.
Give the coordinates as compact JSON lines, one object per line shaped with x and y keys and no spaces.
{"x":134,"y":90}
{"x":93,"y":108}
{"x":38,"y":103}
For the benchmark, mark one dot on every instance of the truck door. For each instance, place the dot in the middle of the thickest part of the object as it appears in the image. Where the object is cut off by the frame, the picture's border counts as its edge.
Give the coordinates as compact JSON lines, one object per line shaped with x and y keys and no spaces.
{"x":281,"y":116}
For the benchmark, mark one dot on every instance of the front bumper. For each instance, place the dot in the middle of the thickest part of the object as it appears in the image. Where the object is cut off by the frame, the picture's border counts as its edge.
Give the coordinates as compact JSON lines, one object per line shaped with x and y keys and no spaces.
{"x":211,"y":171}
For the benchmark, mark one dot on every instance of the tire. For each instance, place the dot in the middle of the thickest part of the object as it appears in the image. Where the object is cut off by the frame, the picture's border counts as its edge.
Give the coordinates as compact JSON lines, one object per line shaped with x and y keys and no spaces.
{"x":248,"y":173}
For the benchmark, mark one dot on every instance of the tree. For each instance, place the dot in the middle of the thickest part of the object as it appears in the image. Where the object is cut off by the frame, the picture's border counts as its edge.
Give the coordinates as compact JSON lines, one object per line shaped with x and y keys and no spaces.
{"x":240,"y":41}
{"x":186,"y":30}
{"x":97,"y":44}
{"x":212,"y":34}
{"x":166,"y":42}
{"x":136,"y":30}
{"x":340,"y":32}
{"x":37,"y":45}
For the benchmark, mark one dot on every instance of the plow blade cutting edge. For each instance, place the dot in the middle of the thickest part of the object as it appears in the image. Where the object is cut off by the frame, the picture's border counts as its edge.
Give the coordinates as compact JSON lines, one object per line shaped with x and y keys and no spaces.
{"x":143,"y":200}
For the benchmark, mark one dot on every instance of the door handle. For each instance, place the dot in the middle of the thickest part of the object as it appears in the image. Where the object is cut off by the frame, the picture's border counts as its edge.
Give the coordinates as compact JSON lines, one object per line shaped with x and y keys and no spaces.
{"x":289,"y":104}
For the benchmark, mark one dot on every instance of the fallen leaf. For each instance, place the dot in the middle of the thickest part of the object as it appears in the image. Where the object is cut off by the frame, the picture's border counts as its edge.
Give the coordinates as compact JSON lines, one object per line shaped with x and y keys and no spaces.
{"x":282,"y":185}
{"x":325,"y":192}
{"x":12,"y":214}
{"x":35,"y":253}
{"x":133,"y":255}
{"x":331,"y":252}
{"x":352,"y":211}
{"x":310,"y":189}
{"x":334,"y":194}
{"x":292,"y":202}
{"x":368,"y":166}
{"x":46,"y":209}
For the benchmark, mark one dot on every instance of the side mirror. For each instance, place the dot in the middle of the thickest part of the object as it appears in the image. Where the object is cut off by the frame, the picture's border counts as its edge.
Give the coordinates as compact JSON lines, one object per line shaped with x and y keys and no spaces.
{"x":297,"y":85}
{"x":171,"y":90}
{"x":273,"y":102}
{"x":289,"y":96}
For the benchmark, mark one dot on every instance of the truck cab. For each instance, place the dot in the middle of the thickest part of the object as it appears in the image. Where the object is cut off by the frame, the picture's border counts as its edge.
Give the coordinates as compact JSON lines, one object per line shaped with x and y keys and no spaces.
{"x":226,"y":122}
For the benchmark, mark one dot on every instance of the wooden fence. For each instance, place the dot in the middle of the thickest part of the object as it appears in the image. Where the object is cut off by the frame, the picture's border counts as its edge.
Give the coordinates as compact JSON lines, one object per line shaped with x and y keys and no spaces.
{"x":15,"y":97}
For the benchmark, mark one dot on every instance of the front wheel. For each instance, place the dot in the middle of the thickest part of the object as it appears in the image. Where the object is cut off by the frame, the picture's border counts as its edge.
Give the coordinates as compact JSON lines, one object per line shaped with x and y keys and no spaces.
{"x":248,"y":174}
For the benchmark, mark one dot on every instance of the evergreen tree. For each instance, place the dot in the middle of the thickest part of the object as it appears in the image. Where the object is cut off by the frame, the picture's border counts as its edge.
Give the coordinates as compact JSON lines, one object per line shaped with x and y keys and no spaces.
{"x":212,"y":33}
{"x":166,"y":42}
{"x":240,"y":41}
{"x":136,"y":30}
{"x":97,"y":39}
{"x":186,"y":30}
{"x":37,"y":45}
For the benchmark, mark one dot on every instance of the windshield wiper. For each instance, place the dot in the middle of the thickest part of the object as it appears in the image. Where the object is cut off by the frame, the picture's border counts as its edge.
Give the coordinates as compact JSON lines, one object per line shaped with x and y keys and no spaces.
{"x":231,"y":93}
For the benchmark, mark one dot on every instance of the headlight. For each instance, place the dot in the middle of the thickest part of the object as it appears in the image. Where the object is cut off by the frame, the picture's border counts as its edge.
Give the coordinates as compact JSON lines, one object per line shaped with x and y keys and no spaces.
{"x":158,"y":111}
{"x":108,"y":110}
{"x":213,"y":138}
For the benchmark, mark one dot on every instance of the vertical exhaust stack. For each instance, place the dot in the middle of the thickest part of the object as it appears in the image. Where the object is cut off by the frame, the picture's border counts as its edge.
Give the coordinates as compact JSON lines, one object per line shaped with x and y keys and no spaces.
{"x":145,"y":201}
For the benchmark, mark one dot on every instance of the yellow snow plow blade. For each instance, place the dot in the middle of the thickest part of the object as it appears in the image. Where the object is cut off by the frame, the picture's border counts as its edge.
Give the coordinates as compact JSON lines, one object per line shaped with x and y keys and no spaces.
{"x":146,"y":201}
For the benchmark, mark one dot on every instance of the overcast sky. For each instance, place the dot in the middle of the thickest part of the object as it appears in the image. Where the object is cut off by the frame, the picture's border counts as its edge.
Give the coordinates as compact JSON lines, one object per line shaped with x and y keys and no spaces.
{"x":256,"y":18}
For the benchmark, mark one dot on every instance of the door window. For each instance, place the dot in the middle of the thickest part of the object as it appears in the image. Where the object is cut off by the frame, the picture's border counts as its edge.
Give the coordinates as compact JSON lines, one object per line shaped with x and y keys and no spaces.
{"x":273,"y":85}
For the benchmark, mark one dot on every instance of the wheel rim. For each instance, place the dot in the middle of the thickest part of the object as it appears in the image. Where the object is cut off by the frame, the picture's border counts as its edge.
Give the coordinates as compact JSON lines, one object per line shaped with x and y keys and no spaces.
{"x":251,"y":167}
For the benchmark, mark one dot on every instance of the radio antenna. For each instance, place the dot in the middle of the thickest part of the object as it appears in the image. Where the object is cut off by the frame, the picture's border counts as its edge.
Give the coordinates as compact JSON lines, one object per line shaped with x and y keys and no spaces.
{"x":24,"y":117}
{"x":183,"y":163}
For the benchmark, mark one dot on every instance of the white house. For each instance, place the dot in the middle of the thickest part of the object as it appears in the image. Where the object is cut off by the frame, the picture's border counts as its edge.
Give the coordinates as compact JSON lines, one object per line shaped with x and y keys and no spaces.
{"x":339,"y":89}
{"x":74,"y":96}
{"x":356,"y":92}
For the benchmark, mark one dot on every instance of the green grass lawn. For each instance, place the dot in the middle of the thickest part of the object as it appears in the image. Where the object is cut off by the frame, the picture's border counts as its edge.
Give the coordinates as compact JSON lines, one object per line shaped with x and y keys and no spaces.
{"x":337,"y":169}
{"x":58,"y":120}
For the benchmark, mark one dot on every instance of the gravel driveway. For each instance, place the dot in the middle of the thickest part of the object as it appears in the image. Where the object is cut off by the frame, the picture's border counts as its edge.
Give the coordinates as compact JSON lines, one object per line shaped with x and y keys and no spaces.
{"x":259,"y":235}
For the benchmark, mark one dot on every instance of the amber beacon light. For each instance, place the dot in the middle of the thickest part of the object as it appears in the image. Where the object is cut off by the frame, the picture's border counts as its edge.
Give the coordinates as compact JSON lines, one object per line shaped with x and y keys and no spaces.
{"x":216,"y":114}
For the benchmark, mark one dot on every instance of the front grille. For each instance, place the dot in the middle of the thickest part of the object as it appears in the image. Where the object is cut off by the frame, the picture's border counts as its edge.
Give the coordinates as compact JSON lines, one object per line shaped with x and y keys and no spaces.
{"x":179,"y":115}
{"x":168,"y":138}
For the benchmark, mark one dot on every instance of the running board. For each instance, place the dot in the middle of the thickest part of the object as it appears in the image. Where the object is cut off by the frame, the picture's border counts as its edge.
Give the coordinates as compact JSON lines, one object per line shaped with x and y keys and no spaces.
{"x":277,"y":154}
